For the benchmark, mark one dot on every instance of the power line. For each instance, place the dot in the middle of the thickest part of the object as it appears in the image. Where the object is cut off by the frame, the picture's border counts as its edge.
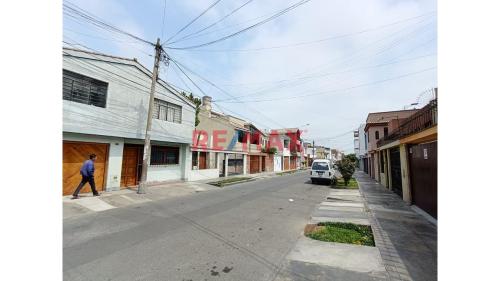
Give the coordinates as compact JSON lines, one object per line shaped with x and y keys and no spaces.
{"x":282,"y":12}
{"x":313,"y":41}
{"x":222,"y":90}
{"x":213,"y":24}
{"x":192,"y":21}
{"x":280,"y":85}
{"x":338,"y":90}
{"x":75,"y":11}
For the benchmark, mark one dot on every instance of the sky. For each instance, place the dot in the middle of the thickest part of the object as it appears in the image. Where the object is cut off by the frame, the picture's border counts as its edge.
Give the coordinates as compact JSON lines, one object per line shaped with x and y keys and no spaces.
{"x":326,"y":63}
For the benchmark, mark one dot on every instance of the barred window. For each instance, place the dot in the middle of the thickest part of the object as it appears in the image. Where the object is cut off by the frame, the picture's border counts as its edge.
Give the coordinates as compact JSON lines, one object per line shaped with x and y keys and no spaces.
{"x":167,"y":111}
{"x":83,"y":89}
{"x":164,"y":155}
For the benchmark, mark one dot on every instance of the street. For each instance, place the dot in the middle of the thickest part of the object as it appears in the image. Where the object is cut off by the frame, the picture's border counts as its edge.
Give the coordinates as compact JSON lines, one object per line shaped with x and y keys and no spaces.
{"x":240,"y":232}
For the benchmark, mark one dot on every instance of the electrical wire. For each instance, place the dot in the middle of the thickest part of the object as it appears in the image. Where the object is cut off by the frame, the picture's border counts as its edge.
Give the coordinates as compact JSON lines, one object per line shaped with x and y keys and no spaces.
{"x":337,"y":90}
{"x":192,"y":21}
{"x":282,"y":12}
{"x":305,"y":43}
{"x":222,"y":90}
{"x":75,"y":11}
{"x":213,"y":24}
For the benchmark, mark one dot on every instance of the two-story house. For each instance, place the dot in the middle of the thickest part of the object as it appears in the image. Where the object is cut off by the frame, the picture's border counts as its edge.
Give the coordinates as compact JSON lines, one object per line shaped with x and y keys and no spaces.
{"x":377,"y":127}
{"x":289,"y":148}
{"x":220,"y":144}
{"x":105,"y":108}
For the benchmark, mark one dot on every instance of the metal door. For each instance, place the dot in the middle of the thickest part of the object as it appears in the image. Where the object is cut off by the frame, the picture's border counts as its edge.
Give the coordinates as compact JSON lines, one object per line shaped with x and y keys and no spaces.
{"x":396,"y":171}
{"x":423,"y":176}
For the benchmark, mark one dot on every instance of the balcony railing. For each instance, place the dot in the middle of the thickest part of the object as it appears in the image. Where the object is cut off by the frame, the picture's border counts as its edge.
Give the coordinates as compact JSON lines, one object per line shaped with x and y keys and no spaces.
{"x":423,"y":119}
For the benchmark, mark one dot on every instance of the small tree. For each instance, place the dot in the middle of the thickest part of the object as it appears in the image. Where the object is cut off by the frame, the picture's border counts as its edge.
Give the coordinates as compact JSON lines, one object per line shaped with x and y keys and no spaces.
{"x":352,"y":157}
{"x":346,"y":168}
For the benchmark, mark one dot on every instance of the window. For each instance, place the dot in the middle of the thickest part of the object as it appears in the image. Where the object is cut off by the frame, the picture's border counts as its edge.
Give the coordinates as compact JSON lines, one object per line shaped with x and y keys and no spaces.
{"x":241,"y":136}
{"x":320,"y":166}
{"x":83,"y":89}
{"x":386,"y":132}
{"x":167,"y":111}
{"x":368,"y":136}
{"x":376,"y":135}
{"x":164,"y":155}
{"x":286,"y":143}
{"x":366,"y":141}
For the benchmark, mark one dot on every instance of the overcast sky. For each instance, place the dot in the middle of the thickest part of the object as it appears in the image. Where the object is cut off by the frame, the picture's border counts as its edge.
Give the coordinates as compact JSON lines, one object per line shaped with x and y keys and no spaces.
{"x":326,"y":63}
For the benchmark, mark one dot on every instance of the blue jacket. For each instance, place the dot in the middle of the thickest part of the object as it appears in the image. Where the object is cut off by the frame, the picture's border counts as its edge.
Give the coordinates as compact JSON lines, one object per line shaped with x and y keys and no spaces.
{"x":87,"y":169}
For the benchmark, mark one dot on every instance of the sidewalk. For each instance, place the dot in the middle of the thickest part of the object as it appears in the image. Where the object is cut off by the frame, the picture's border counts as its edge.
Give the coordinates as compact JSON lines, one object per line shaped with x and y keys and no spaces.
{"x":115,"y":199}
{"x":406,"y":240}
{"x":406,"y":243}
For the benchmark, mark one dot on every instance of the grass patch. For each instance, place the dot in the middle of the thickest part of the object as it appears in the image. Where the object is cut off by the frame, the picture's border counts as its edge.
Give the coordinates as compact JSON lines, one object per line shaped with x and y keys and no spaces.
{"x":229,"y":181}
{"x":342,"y":233}
{"x":353,"y":184}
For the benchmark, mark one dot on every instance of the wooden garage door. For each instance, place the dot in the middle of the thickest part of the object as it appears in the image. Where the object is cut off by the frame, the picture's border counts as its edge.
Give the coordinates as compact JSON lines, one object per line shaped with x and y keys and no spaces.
{"x":287,"y":162}
{"x":254,"y":164}
{"x":74,"y":154}
{"x":293,"y":162}
{"x":423,"y":176}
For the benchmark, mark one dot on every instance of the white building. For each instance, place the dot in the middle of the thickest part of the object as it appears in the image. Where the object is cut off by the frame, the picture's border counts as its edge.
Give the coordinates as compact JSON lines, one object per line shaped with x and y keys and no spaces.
{"x":105,"y":107}
{"x":361,"y":147}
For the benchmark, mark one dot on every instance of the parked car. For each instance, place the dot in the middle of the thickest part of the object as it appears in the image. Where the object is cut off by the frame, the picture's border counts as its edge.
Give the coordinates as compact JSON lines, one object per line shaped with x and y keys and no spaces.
{"x":322,"y":170}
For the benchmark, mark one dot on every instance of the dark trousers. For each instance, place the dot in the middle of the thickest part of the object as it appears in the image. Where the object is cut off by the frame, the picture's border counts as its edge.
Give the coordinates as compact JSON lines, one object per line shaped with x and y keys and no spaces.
{"x":90,"y":180}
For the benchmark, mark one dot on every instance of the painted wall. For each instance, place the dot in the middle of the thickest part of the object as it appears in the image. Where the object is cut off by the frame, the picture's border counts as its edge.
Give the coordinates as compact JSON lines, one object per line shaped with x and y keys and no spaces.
{"x":126,"y":105}
{"x":277,"y":163}
{"x":195,"y":175}
{"x":372,"y":141}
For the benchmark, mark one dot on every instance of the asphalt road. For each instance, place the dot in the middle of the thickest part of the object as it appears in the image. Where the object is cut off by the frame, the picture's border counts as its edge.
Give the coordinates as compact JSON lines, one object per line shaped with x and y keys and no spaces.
{"x":240,"y":232}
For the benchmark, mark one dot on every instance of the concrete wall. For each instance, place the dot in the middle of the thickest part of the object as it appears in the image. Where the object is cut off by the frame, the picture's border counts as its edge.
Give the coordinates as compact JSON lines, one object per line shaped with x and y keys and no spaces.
{"x":126,"y":108}
{"x":195,"y":175}
{"x":278,"y":161}
{"x":372,"y":143}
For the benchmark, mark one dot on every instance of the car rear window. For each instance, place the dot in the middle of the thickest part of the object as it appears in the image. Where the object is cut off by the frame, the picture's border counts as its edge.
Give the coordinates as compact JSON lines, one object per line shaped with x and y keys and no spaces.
{"x":321,"y":166}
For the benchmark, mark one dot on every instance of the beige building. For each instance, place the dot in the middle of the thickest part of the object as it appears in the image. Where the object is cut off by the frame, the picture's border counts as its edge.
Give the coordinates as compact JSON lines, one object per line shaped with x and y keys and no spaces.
{"x":408,"y":159}
{"x":376,"y":128}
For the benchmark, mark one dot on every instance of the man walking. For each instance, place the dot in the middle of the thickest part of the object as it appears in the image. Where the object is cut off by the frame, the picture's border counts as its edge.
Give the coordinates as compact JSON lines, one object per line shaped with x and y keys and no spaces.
{"x":87,"y":172}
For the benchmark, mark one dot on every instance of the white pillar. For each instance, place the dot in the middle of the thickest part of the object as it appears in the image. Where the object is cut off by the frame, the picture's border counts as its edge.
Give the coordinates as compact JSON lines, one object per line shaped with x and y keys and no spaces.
{"x":245,"y":162}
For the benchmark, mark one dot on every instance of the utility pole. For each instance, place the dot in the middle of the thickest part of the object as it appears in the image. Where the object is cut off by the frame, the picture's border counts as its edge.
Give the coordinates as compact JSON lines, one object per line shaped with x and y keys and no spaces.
{"x":314,"y":151}
{"x":147,"y":140}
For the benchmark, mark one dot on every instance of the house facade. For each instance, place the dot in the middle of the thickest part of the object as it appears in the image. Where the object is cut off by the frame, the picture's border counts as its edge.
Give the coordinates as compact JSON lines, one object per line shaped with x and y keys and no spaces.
{"x":409,"y":155}
{"x":289,"y":153}
{"x":361,"y":147}
{"x":377,"y":127}
{"x":224,"y":145}
{"x":105,"y":105}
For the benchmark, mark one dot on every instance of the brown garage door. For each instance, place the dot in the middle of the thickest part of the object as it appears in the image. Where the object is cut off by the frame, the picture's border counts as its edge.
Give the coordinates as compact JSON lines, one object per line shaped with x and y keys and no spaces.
{"x":287,"y":162}
{"x":254,"y":164}
{"x":74,"y":154}
{"x":423,"y":176}
{"x":293,"y":162}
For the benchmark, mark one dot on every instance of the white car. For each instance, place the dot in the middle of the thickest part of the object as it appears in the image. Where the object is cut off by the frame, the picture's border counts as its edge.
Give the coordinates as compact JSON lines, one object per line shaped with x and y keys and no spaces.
{"x":322,"y":170}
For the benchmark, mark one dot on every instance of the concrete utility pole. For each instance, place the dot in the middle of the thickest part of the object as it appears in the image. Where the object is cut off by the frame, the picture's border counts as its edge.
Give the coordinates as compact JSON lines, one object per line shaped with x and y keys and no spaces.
{"x":147,"y":140}
{"x":314,"y":151}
